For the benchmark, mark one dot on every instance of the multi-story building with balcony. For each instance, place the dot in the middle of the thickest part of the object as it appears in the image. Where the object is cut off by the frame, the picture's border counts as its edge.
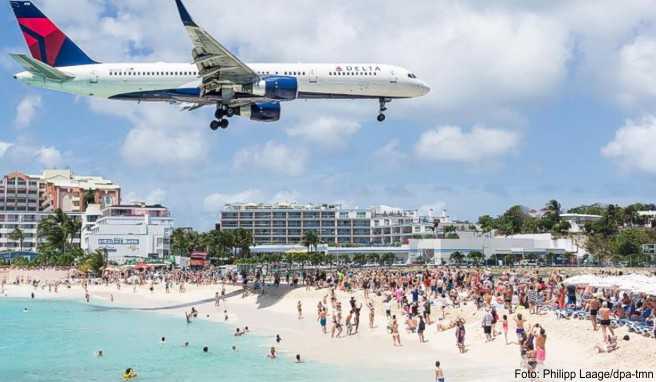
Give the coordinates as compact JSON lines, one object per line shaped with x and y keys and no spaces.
{"x":287,"y":223}
{"x":27,"y":199}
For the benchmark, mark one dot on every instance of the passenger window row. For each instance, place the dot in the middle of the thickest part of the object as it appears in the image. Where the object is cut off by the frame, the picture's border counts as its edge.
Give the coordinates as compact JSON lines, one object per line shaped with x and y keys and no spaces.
{"x":132,"y":73}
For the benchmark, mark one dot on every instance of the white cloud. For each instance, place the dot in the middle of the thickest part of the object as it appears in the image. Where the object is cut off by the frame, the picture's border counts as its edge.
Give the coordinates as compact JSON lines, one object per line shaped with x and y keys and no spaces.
{"x":156,"y":196}
{"x":389,"y":154}
{"x":161,"y":134}
{"x":633,"y":145}
{"x":286,"y":196}
{"x":26,"y":110}
{"x":216,"y":201}
{"x":638,"y":69}
{"x":49,"y":157}
{"x":4,"y":146}
{"x":327,"y":132}
{"x":452,"y":143}
{"x":272,"y":156}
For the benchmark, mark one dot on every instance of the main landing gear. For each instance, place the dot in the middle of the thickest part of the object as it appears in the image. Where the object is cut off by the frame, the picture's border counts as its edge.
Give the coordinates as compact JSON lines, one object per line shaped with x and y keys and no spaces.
{"x":382,"y":102}
{"x":222,"y":114}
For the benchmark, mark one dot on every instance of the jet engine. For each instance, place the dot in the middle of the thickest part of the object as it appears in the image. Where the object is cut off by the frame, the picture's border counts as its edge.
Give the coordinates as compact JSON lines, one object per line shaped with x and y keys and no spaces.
{"x":277,"y":87}
{"x":262,"y":112}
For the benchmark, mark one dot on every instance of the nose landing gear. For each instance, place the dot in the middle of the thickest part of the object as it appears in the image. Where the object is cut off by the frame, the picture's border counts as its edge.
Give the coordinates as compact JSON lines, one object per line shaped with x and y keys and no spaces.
{"x":382,"y":108}
{"x":222,"y":114}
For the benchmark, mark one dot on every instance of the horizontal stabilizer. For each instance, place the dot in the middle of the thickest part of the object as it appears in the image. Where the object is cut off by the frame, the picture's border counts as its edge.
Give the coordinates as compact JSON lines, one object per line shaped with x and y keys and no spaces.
{"x":39,"y":68}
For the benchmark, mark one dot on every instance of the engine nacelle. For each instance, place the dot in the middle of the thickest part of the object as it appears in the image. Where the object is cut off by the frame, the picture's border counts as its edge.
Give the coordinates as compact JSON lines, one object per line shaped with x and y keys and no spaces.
{"x":277,"y":87}
{"x":263,"y":112}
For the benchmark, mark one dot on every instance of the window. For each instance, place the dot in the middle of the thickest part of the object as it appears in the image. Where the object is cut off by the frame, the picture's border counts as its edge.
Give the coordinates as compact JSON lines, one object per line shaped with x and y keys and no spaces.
{"x":303,"y":73}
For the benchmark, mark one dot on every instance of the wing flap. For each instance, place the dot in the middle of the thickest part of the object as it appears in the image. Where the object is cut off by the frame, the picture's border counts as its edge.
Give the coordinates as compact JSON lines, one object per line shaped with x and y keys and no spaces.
{"x":39,"y":68}
{"x":216,"y":64}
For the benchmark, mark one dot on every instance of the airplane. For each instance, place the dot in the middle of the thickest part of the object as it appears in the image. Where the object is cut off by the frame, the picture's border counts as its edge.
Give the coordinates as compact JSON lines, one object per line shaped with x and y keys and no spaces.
{"x":214,"y":77}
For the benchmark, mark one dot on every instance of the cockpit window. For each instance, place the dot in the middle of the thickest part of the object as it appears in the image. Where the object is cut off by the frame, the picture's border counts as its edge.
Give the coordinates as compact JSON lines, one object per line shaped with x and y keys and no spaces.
{"x":410,"y":75}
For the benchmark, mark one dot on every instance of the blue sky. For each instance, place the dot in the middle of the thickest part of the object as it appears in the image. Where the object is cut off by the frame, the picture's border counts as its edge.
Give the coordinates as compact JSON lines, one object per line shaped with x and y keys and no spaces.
{"x":528,"y":103}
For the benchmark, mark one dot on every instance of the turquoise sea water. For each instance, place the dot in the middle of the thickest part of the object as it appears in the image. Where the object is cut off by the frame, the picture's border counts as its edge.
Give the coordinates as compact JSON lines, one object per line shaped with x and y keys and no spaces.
{"x":57,"y":341}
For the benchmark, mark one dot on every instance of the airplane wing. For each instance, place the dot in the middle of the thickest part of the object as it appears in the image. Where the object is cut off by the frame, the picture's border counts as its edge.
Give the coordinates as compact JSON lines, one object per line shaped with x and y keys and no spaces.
{"x":39,"y":68}
{"x":216,"y":65}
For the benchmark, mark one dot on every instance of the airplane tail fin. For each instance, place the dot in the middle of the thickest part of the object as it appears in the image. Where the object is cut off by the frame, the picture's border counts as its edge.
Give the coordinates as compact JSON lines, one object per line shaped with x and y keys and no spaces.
{"x":46,"y":41}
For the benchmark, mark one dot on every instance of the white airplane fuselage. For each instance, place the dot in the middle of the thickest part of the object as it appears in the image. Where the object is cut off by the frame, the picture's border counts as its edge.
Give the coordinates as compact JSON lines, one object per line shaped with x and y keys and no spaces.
{"x":179,"y":82}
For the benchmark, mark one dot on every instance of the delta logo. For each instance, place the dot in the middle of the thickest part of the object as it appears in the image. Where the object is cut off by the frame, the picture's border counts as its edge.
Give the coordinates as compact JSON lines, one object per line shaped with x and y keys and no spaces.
{"x":358,"y":68}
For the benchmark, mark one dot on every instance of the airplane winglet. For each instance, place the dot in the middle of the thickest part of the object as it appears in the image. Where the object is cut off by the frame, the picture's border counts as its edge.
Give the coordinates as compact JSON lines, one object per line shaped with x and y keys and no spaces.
{"x":184,"y":15}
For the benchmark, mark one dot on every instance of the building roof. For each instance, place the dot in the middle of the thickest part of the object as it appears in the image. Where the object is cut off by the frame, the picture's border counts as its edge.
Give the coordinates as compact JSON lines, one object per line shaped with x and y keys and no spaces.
{"x":66,"y":178}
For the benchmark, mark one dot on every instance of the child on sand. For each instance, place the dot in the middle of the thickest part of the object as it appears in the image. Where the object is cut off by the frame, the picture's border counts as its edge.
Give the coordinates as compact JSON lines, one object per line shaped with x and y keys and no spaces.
{"x":504,"y":326}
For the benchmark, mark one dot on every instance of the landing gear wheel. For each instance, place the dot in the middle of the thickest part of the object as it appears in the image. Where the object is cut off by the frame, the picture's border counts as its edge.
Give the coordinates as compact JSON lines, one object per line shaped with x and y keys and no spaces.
{"x":214,"y":125}
{"x":230,"y":112}
{"x":224,"y":123}
{"x":219,"y":113}
{"x":382,"y":102}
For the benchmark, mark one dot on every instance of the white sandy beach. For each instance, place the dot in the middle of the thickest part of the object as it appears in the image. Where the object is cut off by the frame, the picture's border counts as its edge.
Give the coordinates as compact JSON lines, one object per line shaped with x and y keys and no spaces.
{"x":569,"y":345}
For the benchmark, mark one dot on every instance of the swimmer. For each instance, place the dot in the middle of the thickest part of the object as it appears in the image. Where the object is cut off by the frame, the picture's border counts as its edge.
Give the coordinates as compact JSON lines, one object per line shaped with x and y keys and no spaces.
{"x":186,"y":344}
{"x":238,"y":332}
{"x":278,"y":339}
{"x":298,"y":358}
{"x":272,"y":353}
{"x":129,"y":374}
{"x":245,"y":329}
{"x":99,"y":353}
{"x":25,"y":310}
{"x":234,"y":348}
{"x":163,"y":340}
{"x":205,"y":349}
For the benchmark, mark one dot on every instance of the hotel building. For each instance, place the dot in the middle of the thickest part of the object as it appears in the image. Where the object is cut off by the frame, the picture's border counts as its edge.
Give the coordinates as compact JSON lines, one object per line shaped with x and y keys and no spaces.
{"x":27,"y":199}
{"x":128,"y":232}
{"x":287,"y":223}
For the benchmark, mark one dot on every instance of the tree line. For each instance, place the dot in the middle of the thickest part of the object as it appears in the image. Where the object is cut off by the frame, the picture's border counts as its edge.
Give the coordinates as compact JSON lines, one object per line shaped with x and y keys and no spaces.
{"x":617,"y":236}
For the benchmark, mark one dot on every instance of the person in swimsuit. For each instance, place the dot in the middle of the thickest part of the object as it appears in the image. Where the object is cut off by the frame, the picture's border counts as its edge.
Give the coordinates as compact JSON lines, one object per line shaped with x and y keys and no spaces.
{"x":322,"y":320}
{"x":540,"y":346}
{"x":519,"y":322}
{"x":439,"y":373}
{"x":593,"y":306}
{"x":396,"y":338}
{"x":504,"y":326}
{"x":460,"y":336}
{"x":604,"y":314}
{"x":420,"y":330}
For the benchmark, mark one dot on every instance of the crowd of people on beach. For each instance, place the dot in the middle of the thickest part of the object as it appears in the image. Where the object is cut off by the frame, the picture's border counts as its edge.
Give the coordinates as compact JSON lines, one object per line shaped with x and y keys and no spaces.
{"x":415,"y":300}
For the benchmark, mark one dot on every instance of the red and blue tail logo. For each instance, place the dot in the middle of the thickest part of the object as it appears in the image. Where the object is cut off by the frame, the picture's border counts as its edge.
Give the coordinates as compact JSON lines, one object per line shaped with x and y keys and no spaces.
{"x":46,"y":42}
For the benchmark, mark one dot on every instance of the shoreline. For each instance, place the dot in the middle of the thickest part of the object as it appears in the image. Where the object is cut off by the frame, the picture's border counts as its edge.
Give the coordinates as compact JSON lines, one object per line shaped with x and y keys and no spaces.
{"x":570,"y":342}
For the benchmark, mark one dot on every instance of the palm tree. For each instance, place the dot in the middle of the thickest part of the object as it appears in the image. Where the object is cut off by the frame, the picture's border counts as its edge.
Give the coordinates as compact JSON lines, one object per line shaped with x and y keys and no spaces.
{"x":58,"y":230}
{"x":310,"y":239}
{"x":373,"y":258}
{"x":389,"y":258}
{"x":475,"y":257}
{"x":89,"y":197}
{"x":456,"y":257}
{"x":243,"y":239}
{"x":17,"y":235}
